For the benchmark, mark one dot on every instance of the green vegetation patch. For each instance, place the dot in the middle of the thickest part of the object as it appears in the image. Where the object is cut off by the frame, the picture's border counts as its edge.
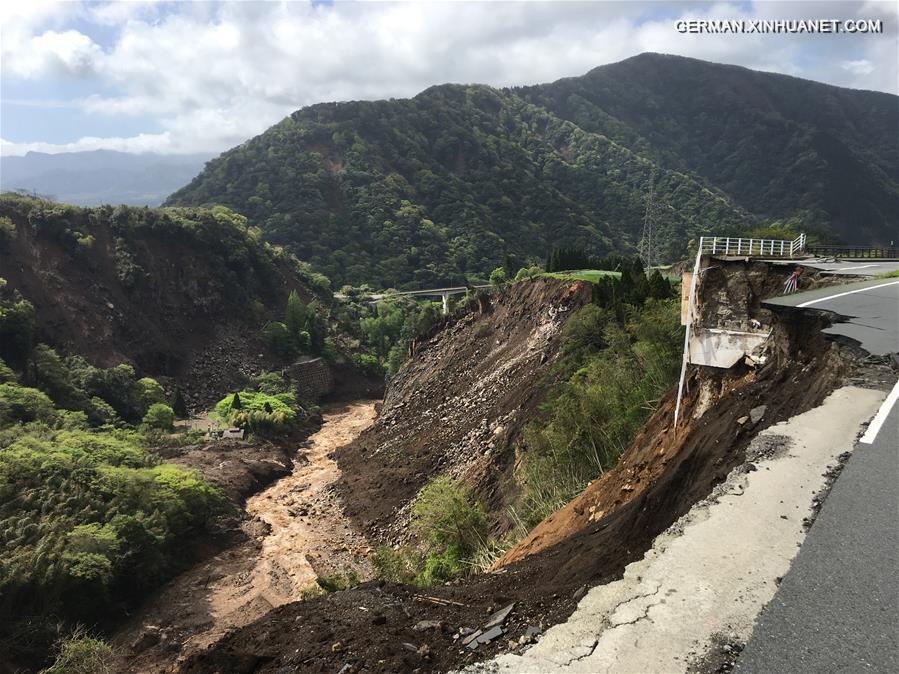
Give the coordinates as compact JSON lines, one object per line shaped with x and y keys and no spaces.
{"x":258,"y":411}
{"x":592,"y":275}
{"x":89,"y":518}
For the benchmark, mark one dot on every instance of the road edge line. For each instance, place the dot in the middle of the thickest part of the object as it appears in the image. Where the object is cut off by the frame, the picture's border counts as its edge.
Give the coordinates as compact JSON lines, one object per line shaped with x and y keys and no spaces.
{"x":877,"y":422}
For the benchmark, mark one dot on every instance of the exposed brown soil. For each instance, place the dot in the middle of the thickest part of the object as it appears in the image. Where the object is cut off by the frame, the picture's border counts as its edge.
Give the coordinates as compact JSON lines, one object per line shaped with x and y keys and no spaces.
{"x":372,"y":627}
{"x":238,"y":468}
{"x":458,"y":406}
{"x":181,"y":319}
{"x":294,"y":533}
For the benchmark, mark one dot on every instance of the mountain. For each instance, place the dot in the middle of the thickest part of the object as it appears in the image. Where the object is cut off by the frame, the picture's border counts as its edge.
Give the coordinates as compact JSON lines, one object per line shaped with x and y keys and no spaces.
{"x":441,"y":187}
{"x":781,"y":147}
{"x":101,"y":176}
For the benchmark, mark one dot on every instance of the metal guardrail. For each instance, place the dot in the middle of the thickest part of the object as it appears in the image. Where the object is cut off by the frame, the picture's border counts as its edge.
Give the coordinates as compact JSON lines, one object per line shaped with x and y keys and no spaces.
{"x":728,"y":245}
{"x":881,"y":252}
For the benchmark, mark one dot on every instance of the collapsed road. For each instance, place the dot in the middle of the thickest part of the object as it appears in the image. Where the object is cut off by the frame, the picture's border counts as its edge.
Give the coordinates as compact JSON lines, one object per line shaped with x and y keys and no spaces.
{"x":738,"y":429}
{"x":692,"y":602}
{"x":838,"y":607}
{"x":707,"y":577}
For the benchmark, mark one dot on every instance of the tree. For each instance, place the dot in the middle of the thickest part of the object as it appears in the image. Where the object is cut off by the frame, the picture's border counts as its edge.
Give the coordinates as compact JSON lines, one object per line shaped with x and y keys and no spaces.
{"x":659,"y":288}
{"x":295,"y":314}
{"x":583,"y":333}
{"x":179,"y":405}
{"x":160,"y":416}
{"x":498,"y":276}
{"x":19,"y":403}
{"x":279,"y":340}
{"x":16,"y":329}
{"x":235,"y":402}
{"x":150,"y":392}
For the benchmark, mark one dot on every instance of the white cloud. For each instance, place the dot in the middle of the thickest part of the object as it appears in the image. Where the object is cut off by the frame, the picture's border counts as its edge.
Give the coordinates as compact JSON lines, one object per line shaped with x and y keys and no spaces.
{"x":860,"y":67}
{"x":160,"y":142}
{"x":212,"y":75}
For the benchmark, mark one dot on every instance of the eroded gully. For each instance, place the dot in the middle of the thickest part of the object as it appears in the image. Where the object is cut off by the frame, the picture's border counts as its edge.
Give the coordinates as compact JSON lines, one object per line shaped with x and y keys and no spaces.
{"x":307,"y":536}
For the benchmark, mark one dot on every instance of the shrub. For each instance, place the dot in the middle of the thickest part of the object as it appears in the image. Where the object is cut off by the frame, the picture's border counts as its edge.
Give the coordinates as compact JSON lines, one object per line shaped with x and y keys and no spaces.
{"x":439,"y":567}
{"x":338,"y":581}
{"x":454,"y":525}
{"x":23,"y":404}
{"x":7,"y":227}
{"x":395,"y":566}
{"x":160,"y":416}
{"x":528,"y":272}
{"x":81,"y":654}
{"x":369,"y":364}
{"x":271,"y":383}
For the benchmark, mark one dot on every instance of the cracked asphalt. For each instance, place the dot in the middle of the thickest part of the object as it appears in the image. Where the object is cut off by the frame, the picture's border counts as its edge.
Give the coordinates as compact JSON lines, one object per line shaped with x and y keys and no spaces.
{"x":868,"y":311}
{"x":837,"y":610}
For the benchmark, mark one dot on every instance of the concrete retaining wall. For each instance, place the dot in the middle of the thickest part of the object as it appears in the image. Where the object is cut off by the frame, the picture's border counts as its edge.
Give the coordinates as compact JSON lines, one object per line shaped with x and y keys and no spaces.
{"x":313,"y":379}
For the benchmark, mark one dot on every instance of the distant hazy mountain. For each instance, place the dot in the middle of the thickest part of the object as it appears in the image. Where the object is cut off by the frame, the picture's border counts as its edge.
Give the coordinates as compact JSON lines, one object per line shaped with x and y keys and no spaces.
{"x":101,"y":176}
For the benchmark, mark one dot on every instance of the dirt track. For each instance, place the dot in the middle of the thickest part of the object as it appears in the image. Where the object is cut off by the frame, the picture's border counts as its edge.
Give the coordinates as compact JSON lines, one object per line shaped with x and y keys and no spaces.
{"x":299,"y":533}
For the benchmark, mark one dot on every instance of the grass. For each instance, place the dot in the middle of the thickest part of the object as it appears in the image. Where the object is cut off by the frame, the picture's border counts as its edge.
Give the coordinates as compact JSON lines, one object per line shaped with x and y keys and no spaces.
{"x":889,"y":274}
{"x":592,"y":275}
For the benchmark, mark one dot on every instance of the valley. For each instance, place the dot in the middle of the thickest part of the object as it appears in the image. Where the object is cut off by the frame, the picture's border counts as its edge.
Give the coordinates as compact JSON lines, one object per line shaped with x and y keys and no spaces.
{"x":229,"y":443}
{"x":296,"y":535}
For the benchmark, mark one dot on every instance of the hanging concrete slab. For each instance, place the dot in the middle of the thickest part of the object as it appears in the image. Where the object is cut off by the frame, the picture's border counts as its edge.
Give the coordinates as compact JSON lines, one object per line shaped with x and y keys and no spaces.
{"x":715,"y":347}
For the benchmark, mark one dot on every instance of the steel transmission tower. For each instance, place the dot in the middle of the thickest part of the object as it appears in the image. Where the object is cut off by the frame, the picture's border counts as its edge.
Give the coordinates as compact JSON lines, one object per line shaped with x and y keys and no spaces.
{"x":646,"y":247}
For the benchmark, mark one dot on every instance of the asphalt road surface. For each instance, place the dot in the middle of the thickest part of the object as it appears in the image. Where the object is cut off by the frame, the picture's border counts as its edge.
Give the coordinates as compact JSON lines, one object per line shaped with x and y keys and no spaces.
{"x":837,"y":610}
{"x":868,"y":311}
{"x":855,"y":268}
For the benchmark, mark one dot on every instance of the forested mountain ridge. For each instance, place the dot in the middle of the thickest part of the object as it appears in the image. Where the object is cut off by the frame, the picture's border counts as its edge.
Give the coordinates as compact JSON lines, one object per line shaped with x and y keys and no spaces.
{"x":439,"y":188}
{"x":783,"y":147}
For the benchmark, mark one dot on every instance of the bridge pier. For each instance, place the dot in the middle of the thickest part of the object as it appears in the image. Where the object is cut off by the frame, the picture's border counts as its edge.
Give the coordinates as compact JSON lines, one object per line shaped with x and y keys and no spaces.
{"x":445,"y":297}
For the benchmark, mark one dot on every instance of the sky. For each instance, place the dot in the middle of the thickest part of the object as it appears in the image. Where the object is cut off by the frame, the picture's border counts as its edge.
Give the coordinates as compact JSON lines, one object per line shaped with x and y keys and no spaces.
{"x":185,"y":77}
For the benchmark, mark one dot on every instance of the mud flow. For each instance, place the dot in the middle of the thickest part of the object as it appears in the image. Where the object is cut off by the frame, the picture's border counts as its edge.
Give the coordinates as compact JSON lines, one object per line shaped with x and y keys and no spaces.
{"x":299,"y":534}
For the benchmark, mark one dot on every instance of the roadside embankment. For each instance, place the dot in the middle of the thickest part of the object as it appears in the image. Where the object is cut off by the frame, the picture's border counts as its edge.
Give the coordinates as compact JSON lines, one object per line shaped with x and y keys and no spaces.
{"x":708,"y":576}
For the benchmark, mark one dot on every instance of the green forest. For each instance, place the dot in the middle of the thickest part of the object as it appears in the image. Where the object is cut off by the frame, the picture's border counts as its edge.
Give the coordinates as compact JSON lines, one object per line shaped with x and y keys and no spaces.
{"x":90,"y":518}
{"x":438,"y":188}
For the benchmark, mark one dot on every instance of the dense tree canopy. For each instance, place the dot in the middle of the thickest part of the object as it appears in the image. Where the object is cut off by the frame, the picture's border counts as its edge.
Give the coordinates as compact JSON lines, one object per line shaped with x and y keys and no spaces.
{"x":438,"y":188}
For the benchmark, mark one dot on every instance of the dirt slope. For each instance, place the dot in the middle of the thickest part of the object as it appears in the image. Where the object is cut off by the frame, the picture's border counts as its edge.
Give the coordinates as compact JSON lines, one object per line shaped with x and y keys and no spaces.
{"x":174,"y":300}
{"x":373,"y":627}
{"x":458,"y":405}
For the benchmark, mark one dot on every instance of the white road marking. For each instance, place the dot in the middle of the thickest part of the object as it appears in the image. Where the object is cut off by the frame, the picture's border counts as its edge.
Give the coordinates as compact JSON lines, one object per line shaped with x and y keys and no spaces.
{"x":853,"y":267}
{"x":881,"y":416}
{"x":851,"y":292}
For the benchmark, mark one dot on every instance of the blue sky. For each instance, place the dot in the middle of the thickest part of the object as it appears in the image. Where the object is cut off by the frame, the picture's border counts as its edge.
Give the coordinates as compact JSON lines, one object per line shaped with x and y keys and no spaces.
{"x":202,"y":76}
